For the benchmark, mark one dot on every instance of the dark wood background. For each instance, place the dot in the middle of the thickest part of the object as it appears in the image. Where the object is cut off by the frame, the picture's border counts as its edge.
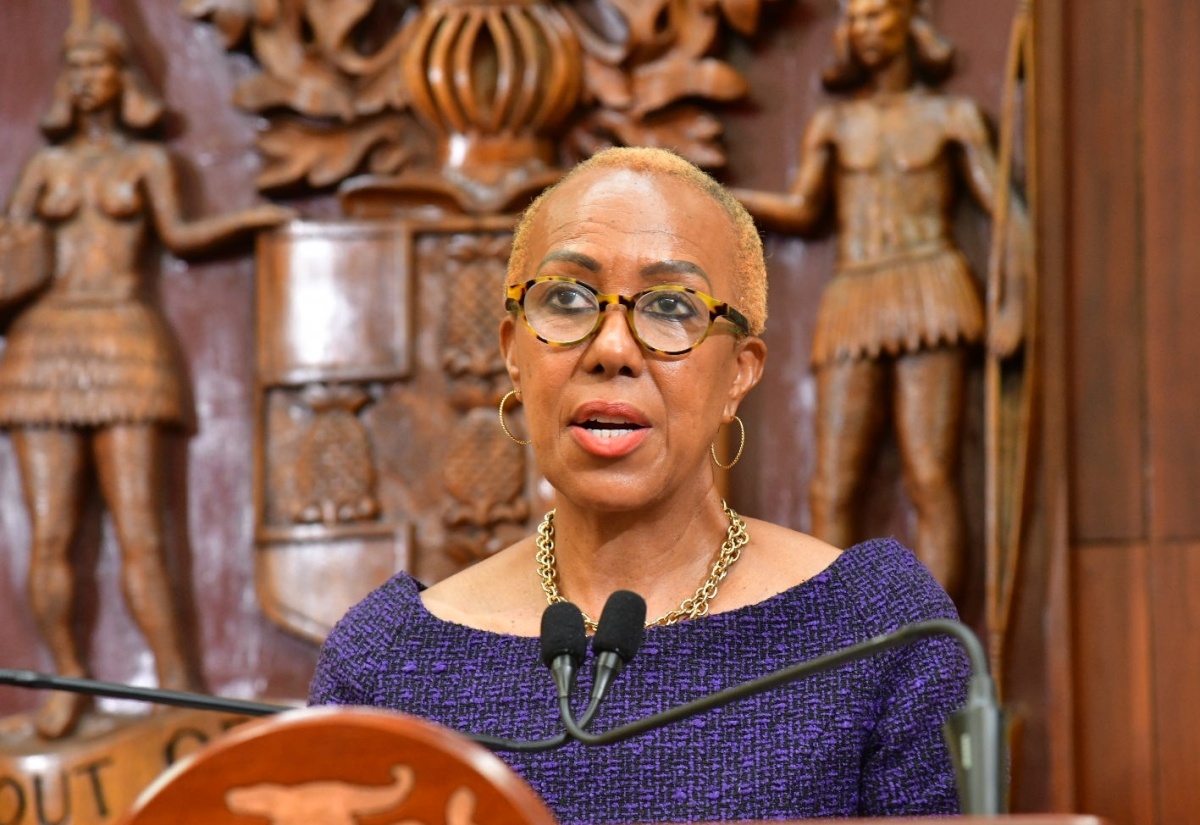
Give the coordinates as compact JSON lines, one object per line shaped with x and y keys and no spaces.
{"x":1106,"y":652}
{"x":1131,"y":119}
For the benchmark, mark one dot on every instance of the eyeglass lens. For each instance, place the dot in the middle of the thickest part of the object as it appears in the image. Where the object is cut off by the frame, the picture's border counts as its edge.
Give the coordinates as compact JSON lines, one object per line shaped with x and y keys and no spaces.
{"x":671,"y":320}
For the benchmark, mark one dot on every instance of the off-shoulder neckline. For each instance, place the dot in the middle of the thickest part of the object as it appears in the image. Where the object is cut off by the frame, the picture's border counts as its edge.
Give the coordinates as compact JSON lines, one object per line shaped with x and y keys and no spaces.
{"x":855,"y":553}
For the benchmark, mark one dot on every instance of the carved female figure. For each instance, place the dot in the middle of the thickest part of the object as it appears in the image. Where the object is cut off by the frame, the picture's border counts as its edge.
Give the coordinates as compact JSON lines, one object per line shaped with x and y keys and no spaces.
{"x":89,"y":374}
{"x":902,"y":307}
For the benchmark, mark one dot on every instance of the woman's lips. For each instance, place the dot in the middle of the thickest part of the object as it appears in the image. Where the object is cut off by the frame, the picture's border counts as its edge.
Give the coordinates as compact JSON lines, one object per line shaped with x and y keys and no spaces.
{"x":607,"y":429}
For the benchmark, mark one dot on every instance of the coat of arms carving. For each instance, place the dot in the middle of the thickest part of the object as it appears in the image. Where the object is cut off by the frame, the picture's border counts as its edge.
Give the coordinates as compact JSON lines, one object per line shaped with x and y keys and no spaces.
{"x":378,"y":371}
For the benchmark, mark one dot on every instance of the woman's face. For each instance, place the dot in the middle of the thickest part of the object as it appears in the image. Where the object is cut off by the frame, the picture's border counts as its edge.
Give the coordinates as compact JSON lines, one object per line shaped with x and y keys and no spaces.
{"x":615,"y":427}
{"x":878,"y":30}
{"x":95,"y":79}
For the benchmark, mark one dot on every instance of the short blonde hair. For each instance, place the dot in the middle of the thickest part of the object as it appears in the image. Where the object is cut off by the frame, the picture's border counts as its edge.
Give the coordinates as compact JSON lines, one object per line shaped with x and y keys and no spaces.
{"x":750,"y":274}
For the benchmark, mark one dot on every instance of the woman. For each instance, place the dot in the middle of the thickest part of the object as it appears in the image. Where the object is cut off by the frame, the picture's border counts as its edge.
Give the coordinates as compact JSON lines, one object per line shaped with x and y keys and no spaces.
{"x":622,"y":408}
{"x":897,"y":319}
{"x":89,"y":373}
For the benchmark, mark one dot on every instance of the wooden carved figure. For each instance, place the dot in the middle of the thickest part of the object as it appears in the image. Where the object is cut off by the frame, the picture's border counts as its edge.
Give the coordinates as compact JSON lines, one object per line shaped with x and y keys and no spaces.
{"x":895,"y":322}
{"x":89,"y":376}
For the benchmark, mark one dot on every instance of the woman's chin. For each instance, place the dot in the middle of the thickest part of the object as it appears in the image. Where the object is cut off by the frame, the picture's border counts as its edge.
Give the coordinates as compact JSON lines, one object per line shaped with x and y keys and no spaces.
{"x":622,"y":487}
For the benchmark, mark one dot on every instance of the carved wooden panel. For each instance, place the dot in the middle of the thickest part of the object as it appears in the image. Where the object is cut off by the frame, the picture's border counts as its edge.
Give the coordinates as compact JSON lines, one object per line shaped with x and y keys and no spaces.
{"x":378,"y":379}
{"x":379,"y":372}
{"x":492,"y":94}
{"x":210,"y":303}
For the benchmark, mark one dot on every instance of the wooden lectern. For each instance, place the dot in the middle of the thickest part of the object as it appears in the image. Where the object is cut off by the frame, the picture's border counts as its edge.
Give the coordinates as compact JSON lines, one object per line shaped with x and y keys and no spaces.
{"x":339,"y":766}
{"x":1006,"y":819}
{"x":363,"y":766}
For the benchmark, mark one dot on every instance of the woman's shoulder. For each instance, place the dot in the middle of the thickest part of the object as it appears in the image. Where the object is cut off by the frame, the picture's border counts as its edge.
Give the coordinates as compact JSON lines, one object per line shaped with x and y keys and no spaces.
{"x":497,"y":594}
{"x":878,"y":582}
{"x":788,"y":556}
{"x":396,"y":601}
{"x":363,"y":642}
{"x":891,"y":586}
{"x":776,"y":560}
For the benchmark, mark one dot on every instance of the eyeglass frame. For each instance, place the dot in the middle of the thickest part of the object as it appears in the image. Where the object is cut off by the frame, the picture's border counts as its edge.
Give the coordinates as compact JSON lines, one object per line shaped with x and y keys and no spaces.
{"x":515,"y":302}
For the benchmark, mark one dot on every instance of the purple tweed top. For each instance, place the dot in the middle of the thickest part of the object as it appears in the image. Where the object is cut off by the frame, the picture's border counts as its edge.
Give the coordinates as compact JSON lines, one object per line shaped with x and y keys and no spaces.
{"x":862,"y":740}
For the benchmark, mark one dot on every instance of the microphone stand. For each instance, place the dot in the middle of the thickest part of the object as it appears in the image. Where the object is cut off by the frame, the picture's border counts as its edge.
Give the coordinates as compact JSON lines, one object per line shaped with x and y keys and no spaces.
{"x":498,"y":743}
{"x":200,"y":701}
{"x":115,"y":690}
{"x":973,"y":733}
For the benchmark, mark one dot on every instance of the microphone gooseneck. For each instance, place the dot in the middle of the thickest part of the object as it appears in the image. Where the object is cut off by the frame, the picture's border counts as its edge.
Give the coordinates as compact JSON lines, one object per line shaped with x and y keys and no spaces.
{"x":563,"y":643}
{"x":829,"y":661}
{"x":201,"y":701}
{"x":974,"y":733}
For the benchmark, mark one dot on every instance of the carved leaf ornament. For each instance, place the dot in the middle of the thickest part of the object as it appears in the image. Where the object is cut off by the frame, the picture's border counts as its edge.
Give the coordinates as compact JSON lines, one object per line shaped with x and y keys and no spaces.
{"x":365,"y":86}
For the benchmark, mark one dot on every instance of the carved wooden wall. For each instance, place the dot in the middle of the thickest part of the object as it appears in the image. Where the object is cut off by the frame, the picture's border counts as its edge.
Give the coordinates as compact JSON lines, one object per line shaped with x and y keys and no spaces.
{"x":1119,"y":194}
{"x":377,"y":447}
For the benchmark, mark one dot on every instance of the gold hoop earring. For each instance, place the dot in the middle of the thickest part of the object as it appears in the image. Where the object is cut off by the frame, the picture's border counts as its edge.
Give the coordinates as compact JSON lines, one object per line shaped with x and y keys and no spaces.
{"x":504,"y":426}
{"x":712,"y":448}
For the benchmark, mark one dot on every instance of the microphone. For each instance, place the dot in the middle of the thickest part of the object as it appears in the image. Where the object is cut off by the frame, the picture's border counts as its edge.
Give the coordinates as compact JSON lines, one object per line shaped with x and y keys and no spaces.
{"x":619,"y":635}
{"x":973,"y":733}
{"x":564,"y":644}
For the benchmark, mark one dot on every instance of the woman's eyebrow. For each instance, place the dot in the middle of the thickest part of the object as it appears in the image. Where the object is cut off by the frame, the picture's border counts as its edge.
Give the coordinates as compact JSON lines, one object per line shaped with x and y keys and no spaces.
{"x":578,"y":258}
{"x":652,"y":270}
{"x":673,"y":267}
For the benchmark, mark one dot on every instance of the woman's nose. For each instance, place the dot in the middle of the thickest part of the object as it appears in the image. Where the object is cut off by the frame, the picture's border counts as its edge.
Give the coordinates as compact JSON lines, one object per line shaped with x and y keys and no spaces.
{"x":614,"y":320}
{"x":614,"y":349}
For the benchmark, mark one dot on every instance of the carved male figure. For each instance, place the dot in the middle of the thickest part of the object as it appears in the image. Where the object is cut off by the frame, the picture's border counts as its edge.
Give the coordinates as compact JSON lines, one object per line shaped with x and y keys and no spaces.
{"x":896,"y":320}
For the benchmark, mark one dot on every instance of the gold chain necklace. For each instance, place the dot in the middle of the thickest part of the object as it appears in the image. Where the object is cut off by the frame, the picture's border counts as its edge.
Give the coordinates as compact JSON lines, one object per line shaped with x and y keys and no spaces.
{"x":695,"y":605}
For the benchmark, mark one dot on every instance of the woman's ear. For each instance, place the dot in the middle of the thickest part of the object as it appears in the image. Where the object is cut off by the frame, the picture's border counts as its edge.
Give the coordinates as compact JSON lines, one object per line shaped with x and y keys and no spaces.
{"x":508,"y":335}
{"x":751,"y":358}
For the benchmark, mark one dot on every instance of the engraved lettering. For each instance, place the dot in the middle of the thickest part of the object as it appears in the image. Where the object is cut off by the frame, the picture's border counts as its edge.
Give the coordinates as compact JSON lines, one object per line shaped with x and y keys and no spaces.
{"x":92,"y":770}
{"x":39,"y":798}
{"x":190,"y":739}
{"x":11,"y":789}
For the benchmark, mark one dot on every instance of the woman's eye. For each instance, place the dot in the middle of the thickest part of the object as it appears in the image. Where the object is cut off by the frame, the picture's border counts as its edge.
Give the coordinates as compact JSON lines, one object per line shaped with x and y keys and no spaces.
{"x":670,"y":305}
{"x":568,"y":297}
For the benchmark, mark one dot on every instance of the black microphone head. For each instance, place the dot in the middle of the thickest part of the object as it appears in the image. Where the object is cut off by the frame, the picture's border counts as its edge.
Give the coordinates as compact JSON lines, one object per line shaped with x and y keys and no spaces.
{"x":563,"y":633}
{"x":622,"y":625}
